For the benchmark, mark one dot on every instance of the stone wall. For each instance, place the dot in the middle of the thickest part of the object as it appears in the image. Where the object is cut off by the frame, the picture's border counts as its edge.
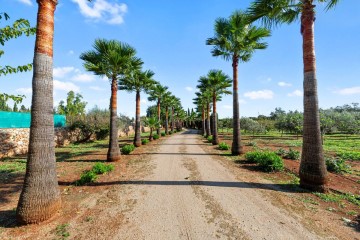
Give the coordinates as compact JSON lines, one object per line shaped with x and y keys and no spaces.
{"x":15,"y":141}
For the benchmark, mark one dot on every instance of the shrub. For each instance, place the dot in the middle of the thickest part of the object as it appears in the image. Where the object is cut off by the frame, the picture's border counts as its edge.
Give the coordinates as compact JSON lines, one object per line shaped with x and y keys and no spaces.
{"x":252,"y":144}
{"x":281,"y":152}
{"x":101,"y":168}
{"x":86,"y":177}
{"x":145,"y":141}
{"x":163,"y":134}
{"x":252,"y":156}
{"x":292,"y":154}
{"x":266,"y":160}
{"x":156,"y":136}
{"x":127,"y":149}
{"x":336,"y":165}
{"x":349,"y":155}
{"x":210,"y":138}
{"x":102,"y":133}
{"x":224,"y":146}
{"x":270,"y":162}
{"x":170,"y":132}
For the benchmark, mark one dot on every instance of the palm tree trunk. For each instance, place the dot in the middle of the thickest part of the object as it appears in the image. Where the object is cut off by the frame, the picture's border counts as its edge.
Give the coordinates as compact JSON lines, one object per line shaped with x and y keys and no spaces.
{"x":40,"y":196}
{"x":215,"y":140}
{"x":167,"y":121}
{"x":208,"y":132}
{"x":202,"y":121}
{"x":113,"y":151}
{"x":151,"y":135}
{"x":236,"y":148}
{"x":172,"y":120}
{"x":137,"y":138}
{"x":159,"y":117}
{"x":313,"y":174}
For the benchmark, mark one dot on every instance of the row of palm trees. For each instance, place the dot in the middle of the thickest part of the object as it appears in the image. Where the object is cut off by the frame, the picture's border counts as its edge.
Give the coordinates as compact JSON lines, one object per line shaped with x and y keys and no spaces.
{"x":40,"y":197}
{"x":236,"y":39}
{"x":211,"y":88}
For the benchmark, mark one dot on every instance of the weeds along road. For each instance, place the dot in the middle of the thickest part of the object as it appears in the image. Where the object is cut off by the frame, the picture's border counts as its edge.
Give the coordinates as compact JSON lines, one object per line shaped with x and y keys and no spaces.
{"x":191,"y":195}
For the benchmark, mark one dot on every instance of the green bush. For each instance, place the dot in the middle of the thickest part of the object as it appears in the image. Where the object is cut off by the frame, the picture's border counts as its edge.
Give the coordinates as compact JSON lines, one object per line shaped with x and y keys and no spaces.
{"x":349,"y":155}
{"x":86,"y":177}
{"x":292,"y":154}
{"x":268,"y":161}
{"x":252,"y":144}
{"x":101,"y":168}
{"x":163,"y":134}
{"x":127,"y":149}
{"x":336,"y":165}
{"x":145,"y":141}
{"x":223,"y":146}
{"x":170,"y":132}
{"x":102,"y":133}
{"x":210,"y":138}
{"x":156,"y":136}
{"x":281,"y":152}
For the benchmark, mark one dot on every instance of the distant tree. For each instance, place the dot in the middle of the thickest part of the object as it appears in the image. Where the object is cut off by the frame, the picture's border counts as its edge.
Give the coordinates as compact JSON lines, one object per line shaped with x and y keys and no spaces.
{"x":15,"y":108}
{"x":153,"y":123}
{"x":24,"y":109}
{"x":157,"y":93}
{"x":74,"y":108}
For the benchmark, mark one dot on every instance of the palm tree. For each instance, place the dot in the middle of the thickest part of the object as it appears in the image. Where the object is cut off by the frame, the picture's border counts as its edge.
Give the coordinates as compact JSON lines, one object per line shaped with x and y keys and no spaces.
{"x":217,"y":83}
{"x":152,"y":123}
{"x":40,"y":196}
{"x":174,"y":102}
{"x":156,"y":94}
{"x":112,"y":59}
{"x":201,"y":105}
{"x":137,"y":81}
{"x":313,"y":174}
{"x":167,"y":101}
{"x":236,"y":39}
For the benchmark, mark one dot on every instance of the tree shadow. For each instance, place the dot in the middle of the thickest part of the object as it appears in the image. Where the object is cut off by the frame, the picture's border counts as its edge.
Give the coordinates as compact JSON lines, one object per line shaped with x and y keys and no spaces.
{"x":10,"y":183}
{"x":8,"y":219}
{"x":289,"y":188}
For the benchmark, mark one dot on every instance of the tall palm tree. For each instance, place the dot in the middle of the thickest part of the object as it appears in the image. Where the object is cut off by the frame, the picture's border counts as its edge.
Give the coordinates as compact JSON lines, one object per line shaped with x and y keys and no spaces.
{"x":40,"y":195}
{"x":174,"y":103}
{"x":156,"y":94}
{"x":313,"y":174}
{"x":137,"y":81}
{"x":217,"y":83}
{"x":167,"y":101}
{"x":112,"y":59}
{"x":236,"y":40}
{"x":201,"y":105}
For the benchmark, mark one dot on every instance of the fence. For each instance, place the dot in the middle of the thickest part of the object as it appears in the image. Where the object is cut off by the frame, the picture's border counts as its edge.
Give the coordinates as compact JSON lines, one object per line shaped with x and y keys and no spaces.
{"x":22,"y":120}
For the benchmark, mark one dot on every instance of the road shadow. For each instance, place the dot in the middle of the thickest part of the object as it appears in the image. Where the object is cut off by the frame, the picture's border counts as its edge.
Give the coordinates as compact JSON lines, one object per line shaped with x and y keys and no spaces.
{"x":8,"y":219}
{"x":289,"y":188}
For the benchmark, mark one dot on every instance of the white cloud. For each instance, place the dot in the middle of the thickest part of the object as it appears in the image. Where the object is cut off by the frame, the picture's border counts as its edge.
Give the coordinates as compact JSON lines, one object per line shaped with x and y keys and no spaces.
{"x":105,"y":79}
{"x":296,"y":93}
{"x":227,"y":106}
{"x":61,"y":72}
{"x":65,"y":86}
{"x":284,"y":84}
{"x":262,"y":94}
{"x":96,"y":88}
{"x":190,"y":89}
{"x":349,"y":91}
{"x":71,"y":52}
{"x":83,"y":77}
{"x":27,"y":2}
{"x":24,"y":90}
{"x":143,"y":101}
{"x":102,"y":10}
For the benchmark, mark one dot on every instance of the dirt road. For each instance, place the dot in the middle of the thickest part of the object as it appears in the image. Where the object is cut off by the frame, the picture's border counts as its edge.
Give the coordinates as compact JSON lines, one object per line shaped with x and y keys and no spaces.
{"x":190,"y":195}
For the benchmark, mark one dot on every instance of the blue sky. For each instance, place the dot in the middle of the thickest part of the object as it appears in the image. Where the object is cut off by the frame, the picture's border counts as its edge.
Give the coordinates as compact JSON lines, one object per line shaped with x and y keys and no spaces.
{"x":170,"y":38}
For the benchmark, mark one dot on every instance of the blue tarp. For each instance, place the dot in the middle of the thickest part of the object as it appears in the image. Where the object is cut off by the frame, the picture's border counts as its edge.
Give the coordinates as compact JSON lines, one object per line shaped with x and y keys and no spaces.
{"x":22,"y":120}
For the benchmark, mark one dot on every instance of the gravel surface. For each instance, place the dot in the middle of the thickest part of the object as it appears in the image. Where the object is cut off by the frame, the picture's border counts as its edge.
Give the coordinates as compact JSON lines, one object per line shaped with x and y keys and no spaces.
{"x":191,"y":195}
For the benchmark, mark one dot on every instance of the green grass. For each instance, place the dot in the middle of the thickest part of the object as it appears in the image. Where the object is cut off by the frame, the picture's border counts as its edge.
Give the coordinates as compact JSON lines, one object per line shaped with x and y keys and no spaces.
{"x":61,"y":231}
{"x":13,"y":166}
{"x":101,"y":168}
{"x":337,"y":198}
